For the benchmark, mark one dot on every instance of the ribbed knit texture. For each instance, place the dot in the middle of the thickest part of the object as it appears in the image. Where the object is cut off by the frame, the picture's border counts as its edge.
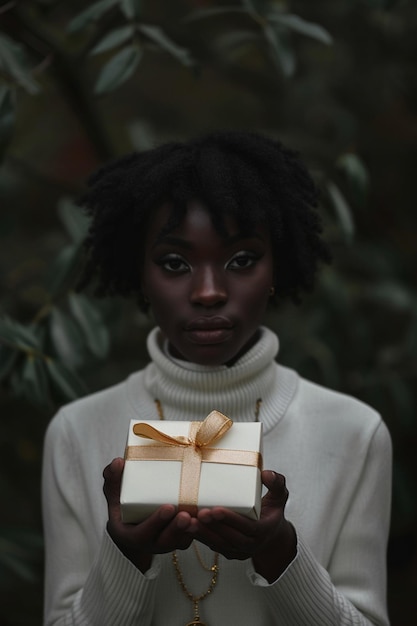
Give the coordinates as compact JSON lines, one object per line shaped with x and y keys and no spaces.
{"x":123,"y":582}
{"x":190,"y":394}
{"x":334,"y":451}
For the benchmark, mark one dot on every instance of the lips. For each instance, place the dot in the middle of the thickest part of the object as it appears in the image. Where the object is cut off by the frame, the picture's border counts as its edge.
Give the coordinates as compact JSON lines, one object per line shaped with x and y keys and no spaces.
{"x":209,"y":330}
{"x":209,"y":323}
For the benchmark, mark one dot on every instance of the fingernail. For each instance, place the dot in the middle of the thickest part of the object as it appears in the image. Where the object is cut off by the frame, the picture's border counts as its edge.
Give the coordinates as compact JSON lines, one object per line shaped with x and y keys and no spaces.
{"x":205,"y":516}
{"x":167,"y":513}
{"x":193,"y":527}
{"x":183,"y":522}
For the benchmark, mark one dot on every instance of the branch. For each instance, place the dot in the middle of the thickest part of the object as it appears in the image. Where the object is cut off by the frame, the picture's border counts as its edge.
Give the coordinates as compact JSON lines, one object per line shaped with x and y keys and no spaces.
{"x":68,"y":73}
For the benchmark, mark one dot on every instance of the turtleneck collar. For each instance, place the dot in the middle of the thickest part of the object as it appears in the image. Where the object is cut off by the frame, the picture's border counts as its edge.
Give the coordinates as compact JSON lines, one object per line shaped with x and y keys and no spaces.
{"x":189,"y":391}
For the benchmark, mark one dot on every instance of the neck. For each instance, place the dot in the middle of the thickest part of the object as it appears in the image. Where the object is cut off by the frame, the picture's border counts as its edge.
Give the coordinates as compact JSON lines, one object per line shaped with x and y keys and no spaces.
{"x":189,"y":392}
{"x":250,"y":343}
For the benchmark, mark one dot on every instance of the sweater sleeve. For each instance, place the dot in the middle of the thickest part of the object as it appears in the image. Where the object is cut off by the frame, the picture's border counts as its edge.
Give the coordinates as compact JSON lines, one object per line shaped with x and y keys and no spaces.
{"x":352,"y":589}
{"x":88,"y":581}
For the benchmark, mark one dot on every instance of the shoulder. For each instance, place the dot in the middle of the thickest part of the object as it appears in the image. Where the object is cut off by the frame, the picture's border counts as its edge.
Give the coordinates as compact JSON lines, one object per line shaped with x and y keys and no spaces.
{"x":322,"y":398}
{"x":99,"y":412}
{"x":330,"y":415}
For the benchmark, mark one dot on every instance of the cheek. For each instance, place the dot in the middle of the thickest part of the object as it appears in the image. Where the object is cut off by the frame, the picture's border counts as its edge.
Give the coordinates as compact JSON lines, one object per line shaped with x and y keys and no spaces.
{"x":166,"y":292}
{"x":154,"y":287}
{"x":258,"y":300}
{"x":257,"y":290}
{"x":166,"y":298}
{"x":251,"y":302}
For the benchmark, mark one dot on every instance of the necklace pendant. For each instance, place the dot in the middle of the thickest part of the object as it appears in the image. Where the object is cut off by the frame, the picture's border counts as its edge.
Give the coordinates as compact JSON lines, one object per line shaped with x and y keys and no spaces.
{"x":196,"y":622}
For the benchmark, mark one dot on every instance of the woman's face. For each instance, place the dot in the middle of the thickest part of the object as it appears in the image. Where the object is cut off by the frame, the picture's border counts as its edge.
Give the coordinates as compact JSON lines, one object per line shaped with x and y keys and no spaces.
{"x":208,"y":292}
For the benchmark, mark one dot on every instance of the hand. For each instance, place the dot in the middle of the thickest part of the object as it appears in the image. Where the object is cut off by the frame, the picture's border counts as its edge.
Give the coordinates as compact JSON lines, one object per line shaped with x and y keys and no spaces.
{"x":269,"y":541}
{"x":163,"y":531}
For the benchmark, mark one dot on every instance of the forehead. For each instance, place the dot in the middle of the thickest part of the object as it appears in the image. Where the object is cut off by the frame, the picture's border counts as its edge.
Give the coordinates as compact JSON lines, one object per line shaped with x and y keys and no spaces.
{"x":196,"y":221}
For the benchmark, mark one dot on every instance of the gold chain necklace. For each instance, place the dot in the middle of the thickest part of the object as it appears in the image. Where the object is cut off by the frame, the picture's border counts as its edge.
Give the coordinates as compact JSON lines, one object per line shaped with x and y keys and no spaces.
{"x":208,"y":568}
{"x":213,"y":569}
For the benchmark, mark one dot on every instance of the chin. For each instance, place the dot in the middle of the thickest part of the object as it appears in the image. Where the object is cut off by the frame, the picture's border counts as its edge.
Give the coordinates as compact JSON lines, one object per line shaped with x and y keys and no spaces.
{"x":206,"y":355}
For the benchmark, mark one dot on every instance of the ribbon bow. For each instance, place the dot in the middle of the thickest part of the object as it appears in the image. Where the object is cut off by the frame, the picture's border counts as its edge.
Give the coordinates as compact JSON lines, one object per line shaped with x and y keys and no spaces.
{"x":192,"y":451}
{"x":213,"y":428}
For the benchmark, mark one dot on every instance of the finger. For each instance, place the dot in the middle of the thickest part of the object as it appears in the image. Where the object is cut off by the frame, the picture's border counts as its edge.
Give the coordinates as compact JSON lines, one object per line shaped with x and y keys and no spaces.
{"x":112,"y":480}
{"x":220,"y":517}
{"x":179,"y":533}
{"x":226,"y":540}
{"x":163,"y":531}
{"x":148,"y":531}
{"x":277,"y":495}
{"x":228,"y":532}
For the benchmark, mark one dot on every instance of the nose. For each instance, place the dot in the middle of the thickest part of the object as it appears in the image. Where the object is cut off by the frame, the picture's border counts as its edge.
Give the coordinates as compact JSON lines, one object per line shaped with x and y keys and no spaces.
{"x":208,"y":287}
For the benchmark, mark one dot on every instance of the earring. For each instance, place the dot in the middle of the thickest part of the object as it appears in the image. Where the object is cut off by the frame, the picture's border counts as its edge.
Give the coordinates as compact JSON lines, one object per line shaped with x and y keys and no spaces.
{"x":272,"y":291}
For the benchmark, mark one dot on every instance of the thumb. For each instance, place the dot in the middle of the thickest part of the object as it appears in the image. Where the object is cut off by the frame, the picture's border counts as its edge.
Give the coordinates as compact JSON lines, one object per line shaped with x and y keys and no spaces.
{"x":112,"y":475}
{"x":277,"y":495}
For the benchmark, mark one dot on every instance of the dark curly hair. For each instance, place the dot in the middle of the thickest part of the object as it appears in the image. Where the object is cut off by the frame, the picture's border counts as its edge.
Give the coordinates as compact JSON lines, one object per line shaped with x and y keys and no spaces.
{"x":242,"y":174}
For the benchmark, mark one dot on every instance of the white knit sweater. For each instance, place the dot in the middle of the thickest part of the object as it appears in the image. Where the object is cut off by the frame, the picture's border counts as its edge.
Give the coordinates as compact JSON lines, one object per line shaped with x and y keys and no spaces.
{"x":334,"y":451}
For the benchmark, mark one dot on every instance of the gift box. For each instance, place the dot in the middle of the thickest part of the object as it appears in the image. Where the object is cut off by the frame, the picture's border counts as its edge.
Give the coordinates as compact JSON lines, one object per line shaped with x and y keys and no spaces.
{"x":192,"y":465}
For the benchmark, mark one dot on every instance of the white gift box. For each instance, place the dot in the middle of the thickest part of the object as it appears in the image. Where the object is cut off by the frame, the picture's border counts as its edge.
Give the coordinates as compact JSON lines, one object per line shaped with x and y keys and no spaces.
{"x":146,"y":484}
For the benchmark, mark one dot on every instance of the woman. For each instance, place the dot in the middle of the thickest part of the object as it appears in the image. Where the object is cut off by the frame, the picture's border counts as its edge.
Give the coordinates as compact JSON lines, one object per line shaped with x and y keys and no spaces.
{"x":205,"y":234}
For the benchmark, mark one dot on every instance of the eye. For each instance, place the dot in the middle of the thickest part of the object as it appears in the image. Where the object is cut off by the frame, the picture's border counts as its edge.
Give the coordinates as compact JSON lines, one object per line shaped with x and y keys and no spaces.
{"x":174,"y":263}
{"x":242,"y":261}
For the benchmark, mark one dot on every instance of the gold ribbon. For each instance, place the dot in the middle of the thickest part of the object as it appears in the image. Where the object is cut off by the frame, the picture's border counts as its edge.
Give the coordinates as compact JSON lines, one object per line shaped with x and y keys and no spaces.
{"x":191,"y":451}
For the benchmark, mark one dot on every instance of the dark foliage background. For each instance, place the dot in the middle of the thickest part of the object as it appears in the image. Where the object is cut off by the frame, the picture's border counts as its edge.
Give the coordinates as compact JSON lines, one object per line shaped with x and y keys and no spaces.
{"x":81,"y":82}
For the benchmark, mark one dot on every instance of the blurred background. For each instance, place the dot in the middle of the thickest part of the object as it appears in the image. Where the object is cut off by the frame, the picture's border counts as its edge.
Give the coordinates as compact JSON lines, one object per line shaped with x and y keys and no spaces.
{"x":82,"y":82}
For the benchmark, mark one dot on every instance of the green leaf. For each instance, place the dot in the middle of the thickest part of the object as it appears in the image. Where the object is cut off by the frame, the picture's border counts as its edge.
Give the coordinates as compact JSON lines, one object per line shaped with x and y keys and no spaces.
{"x":13,"y":64}
{"x":297,"y":24}
{"x":7,"y":117}
{"x":34,"y":381}
{"x":203,"y":14}
{"x":92,"y":14}
{"x":342,"y":210}
{"x":20,"y":552}
{"x":281,"y":51}
{"x":62,"y":271}
{"x":389,"y":295}
{"x":131,"y":8}
{"x":6,"y":100}
{"x":357,"y":175}
{"x":66,"y":382}
{"x":18,"y":336}
{"x":141,"y":135}
{"x":67,"y":338}
{"x":334,"y":293}
{"x":90,"y":321}
{"x":7,"y":360}
{"x":257,"y":6}
{"x":13,"y":559}
{"x":113,"y":39}
{"x":74,"y":219}
{"x":119,"y":69}
{"x":157,"y":36}
{"x":236,"y":39}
